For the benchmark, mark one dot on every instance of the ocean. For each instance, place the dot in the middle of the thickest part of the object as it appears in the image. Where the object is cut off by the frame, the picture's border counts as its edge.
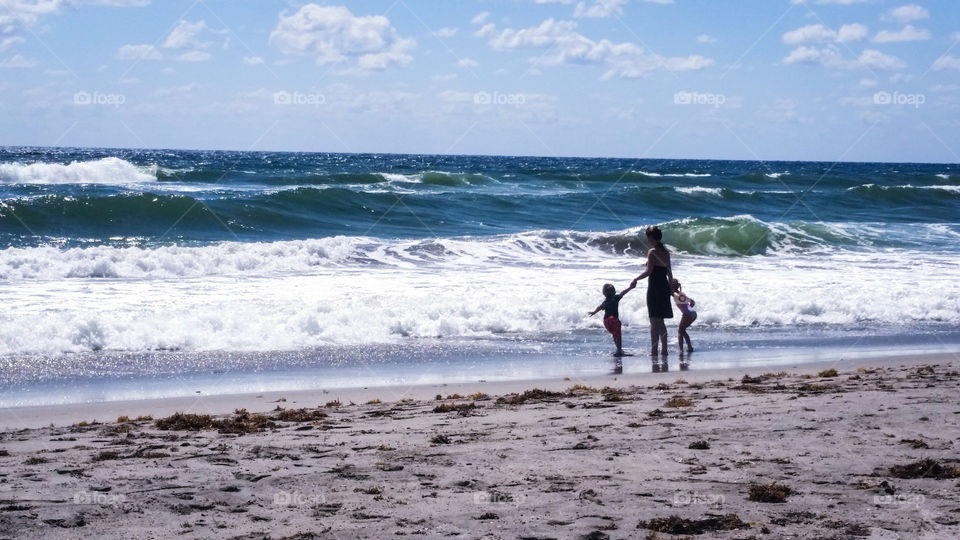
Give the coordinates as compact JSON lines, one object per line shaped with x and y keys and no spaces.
{"x":148,"y":273}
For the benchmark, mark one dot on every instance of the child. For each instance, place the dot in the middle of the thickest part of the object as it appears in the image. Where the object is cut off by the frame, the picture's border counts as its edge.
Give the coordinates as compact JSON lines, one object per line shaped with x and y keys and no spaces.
{"x":685,"y":305}
{"x":611,"y":313}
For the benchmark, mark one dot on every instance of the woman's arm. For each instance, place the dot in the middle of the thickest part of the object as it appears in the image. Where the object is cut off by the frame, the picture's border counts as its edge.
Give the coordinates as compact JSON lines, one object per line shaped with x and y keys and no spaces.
{"x":649,"y":267}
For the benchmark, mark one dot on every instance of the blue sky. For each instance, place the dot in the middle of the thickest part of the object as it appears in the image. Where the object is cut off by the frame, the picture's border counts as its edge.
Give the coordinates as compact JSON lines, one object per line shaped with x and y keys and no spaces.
{"x":851,"y":80}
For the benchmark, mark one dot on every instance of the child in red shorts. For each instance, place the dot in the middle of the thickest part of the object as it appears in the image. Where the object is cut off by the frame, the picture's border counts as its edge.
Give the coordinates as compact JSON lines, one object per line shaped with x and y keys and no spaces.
{"x":611,"y":313}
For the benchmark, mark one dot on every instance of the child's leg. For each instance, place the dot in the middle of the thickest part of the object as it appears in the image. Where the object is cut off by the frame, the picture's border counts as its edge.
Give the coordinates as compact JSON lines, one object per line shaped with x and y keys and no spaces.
{"x":613,"y":325}
{"x":685,"y":323}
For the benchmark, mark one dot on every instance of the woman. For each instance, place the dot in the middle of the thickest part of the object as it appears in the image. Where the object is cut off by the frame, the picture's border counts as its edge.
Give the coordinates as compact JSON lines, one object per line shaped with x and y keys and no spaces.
{"x":659,"y":292}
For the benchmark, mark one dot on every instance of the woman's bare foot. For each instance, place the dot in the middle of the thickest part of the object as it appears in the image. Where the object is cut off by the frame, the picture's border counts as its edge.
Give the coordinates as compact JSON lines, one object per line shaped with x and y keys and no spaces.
{"x":689,"y":349}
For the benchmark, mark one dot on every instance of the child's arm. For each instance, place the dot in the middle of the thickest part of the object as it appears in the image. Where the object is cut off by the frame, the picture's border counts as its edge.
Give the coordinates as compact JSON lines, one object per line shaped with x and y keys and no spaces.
{"x":633,"y":285}
{"x":594,"y":312}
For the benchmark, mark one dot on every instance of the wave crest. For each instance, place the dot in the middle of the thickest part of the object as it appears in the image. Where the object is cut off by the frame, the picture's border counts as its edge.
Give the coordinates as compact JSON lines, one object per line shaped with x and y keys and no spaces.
{"x":110,"y":170}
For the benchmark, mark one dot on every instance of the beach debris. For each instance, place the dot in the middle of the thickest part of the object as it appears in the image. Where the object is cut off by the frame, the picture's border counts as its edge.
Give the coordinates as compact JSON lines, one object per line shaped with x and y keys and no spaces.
{"x":241,"y":423}
{"x":827,"y":373}
{"x":678,"y":401}
{"x":535,"y":394}
{"x":699,"y":445}
{"x":679,"y":525}
{"x":581,"y":389}
{"x":185,"y":422}
{"x":298,"y":415}
{"x":769,"y":493}
{"x":611,"y":394}
{"x":440,"y":439}
{"x":925,"y":468}
{"x":915,"y":443}
{"x":462,"y":408}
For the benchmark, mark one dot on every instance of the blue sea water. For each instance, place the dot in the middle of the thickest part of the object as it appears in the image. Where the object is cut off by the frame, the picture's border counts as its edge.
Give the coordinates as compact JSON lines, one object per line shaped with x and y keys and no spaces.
{"x":152,"y":263}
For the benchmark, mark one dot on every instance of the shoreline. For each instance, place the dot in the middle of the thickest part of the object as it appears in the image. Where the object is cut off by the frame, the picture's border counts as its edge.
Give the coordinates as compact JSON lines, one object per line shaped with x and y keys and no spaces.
{"x":35,"y":416}
{"x":857,"y":449}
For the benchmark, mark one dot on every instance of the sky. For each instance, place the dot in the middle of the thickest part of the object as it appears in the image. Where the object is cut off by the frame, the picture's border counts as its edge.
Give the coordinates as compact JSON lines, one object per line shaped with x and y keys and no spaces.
{"x":825,"y":80}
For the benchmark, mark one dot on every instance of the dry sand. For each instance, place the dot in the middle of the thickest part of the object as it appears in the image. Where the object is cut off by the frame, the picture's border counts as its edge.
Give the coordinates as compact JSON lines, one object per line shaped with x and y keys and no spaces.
{"x":869,"y":452}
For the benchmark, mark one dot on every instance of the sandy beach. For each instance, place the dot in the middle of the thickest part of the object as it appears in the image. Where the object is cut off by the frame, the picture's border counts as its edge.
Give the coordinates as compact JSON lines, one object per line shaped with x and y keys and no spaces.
{"x":863,"y":450}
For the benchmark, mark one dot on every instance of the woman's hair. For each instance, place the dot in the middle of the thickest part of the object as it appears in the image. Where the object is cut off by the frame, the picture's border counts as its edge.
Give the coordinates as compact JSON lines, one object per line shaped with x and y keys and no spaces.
{"x":609,"y":290}
{"x":654,"y":232}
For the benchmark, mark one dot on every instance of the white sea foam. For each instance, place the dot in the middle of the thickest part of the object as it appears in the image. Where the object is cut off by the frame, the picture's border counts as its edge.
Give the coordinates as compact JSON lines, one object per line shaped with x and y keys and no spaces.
{"x":403,"y":178}
{"x":109,"y":170}
{"x":776,"y":174}
{"x":953,"y":189}
{"x":699,"y":189}
{"x":359,"y":305}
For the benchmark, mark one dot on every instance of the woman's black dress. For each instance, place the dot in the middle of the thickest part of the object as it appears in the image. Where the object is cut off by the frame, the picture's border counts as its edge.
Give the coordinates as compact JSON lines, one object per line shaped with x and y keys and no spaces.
{"x":659,"y":294}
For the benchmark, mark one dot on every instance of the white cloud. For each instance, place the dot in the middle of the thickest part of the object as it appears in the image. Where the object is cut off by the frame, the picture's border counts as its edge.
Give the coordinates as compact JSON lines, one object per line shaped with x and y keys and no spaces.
{"x":184,"y":36}
{"x":908,"y":33}
{"x":829,"y":56}
{"x":446,"y":77}
{"x":480,"y":18}
{"x":8,"y":42}
{"x":907,"y":13}
{"x":690,"y":63}
{"x":17,"y":14}
{"x":818,"y":33}
{"x":467,"y":63}
{"x":176,"y":91}
{"x":808,"y":55}
{"x":812,"y":33}
{"x":447,"y":31}
{"x":868,"y":83}
{"x":138,"y":52}
{"x":252,"y":60}
{"x":332,"y":34}
{"x":946,"y":62}
{"x":877,"y":60}
{"x":955,"y":37}
{"x":194,"y":56}
{"x":18,"y":61}
{"x":704,"y":38}
{"x":599,"y":9}
{"x":852,"y":32}
{"x":564,"y":45}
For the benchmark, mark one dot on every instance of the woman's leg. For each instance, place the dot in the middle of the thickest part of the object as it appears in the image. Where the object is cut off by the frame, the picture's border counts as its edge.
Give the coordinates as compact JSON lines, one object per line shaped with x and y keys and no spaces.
{"x":655,"y":324}
{"x":663,"y":337}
